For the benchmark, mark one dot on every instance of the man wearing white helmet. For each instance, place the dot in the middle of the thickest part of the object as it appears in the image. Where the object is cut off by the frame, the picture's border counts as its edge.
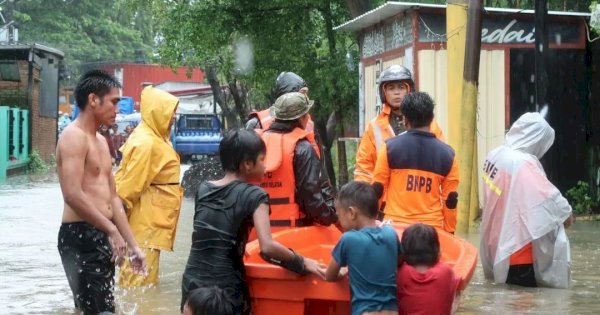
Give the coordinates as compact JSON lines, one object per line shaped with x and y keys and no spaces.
{"x":395,"y":82}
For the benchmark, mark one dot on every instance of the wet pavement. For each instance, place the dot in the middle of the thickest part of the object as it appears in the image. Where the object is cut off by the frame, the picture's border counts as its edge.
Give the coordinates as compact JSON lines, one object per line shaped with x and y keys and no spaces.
{"x":33,"y":280}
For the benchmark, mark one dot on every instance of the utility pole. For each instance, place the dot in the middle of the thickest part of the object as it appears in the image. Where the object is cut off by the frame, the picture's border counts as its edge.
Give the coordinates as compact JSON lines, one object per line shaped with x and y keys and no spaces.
{"x":541,"y":51}
{"x":468,"y":195}
{"x":456,"y":30}
{"x":7,"y":21}
{"x":456,"y":22}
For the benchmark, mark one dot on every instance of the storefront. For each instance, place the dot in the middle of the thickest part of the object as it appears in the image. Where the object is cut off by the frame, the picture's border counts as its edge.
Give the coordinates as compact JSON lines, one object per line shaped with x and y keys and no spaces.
{"x":414,"y":35}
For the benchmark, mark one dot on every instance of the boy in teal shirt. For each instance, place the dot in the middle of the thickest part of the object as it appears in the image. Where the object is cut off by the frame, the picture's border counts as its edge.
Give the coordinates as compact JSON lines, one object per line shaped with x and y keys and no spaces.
{"x":369,"y":251}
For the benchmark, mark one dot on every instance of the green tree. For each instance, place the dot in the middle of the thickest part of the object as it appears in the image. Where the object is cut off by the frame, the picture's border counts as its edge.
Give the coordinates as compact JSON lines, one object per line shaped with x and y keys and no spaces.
{"x":86,"y":31}
{"x":275,"y":35}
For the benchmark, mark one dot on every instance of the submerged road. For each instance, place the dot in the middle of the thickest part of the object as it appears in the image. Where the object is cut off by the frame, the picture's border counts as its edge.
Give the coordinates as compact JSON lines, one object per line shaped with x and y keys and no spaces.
{"x":33,"y":281}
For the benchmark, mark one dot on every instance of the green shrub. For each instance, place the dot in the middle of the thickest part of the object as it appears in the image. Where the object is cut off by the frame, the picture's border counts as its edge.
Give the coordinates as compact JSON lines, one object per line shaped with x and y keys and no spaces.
{"x":36,"y":163}
{"x":580,"y":199}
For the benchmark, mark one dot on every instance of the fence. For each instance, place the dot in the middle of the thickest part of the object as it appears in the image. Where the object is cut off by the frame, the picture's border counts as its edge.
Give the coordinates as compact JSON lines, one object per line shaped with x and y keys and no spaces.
{"x":14,"y":140}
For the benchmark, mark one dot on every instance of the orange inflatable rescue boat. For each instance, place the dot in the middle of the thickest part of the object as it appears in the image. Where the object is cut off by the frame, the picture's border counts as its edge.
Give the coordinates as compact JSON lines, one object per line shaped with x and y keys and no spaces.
{"x":275,"y":290}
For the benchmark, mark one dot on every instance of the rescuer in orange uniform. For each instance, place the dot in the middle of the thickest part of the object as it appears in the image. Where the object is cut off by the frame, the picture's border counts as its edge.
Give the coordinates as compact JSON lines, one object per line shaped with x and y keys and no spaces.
{"x":395,"y":83}
{"x":418,"y":171}
{"x":293,"y":168}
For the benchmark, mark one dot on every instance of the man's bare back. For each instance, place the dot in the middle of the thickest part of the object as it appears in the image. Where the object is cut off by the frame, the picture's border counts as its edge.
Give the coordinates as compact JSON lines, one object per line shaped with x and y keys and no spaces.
{"x":96,"y":172}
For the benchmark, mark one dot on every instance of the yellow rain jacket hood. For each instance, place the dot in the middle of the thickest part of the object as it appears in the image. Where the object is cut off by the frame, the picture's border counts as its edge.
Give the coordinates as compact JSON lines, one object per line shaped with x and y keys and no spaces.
{"x":148,"y":176}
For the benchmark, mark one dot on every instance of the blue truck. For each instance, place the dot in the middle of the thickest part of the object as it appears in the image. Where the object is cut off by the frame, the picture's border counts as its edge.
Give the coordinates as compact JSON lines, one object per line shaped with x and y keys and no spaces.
{"x":197,"y":135}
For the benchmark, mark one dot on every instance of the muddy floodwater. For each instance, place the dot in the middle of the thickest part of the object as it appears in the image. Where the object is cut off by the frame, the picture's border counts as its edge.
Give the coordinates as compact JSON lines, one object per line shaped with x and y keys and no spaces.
{"x":32,"y":280}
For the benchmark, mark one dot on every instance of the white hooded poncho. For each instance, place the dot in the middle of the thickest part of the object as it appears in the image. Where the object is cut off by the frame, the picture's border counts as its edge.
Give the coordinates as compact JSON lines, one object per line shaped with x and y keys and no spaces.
{"x":521,"y":206}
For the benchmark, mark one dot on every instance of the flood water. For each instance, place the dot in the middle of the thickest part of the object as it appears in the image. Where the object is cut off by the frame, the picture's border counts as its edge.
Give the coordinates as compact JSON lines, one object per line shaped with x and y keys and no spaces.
{"x":32,"y":280}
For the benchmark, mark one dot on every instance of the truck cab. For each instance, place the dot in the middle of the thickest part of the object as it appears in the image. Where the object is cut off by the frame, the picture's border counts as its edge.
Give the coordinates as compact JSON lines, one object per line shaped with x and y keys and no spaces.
{"x":197,"y":135}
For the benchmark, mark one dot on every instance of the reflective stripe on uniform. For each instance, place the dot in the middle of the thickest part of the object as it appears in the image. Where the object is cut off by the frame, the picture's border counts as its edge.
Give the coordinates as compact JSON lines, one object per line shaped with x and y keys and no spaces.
{"x":367,"y":174}
{"x":265,"y":121}
{"x":310,"y":126}
{"x":377,"y":133}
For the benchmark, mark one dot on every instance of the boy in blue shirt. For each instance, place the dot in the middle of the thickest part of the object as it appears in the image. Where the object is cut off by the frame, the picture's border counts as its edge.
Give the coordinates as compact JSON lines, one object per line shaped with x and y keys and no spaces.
{"x":369,"y":251}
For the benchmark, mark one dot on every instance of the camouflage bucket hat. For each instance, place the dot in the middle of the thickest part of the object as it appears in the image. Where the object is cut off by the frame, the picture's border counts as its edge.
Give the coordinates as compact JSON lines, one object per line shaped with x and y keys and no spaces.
{"x":291,"y":106}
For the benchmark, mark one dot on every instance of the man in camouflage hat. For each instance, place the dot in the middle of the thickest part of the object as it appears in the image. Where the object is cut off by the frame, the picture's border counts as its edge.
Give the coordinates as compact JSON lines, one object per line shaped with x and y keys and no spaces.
{"x":293,"y":168}
{"x":286,"y":82}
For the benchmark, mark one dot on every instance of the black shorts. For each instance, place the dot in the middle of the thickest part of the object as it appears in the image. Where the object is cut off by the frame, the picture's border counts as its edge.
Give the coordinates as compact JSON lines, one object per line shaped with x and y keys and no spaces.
{"x":523,"y":275}
{"x":85,"y":253}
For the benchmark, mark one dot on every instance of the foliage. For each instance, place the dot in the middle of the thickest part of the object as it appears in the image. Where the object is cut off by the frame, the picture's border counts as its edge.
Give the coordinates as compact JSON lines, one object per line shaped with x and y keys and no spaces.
{"x":284,"y":36}
{"x":36,"y":163}
{"x":87,"y":32}
{"x":580,"y":200}
{"x":245,"y":44}
{"x":595,"y":19}
{"x":351,"y":147}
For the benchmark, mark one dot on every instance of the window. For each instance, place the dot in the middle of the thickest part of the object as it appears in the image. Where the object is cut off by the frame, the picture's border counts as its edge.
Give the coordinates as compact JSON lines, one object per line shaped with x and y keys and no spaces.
{"x":198,"y":122}
{"x":9,"y":71}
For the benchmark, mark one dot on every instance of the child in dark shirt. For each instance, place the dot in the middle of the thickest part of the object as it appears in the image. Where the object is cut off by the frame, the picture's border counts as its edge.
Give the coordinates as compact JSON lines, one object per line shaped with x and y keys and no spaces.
{"x":226,"y":210}
{"x":425,"y":285}
{"x":369,"y":251}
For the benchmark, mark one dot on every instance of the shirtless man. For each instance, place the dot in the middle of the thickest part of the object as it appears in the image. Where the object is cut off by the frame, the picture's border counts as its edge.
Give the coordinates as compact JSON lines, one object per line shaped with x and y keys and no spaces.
{"x":94,"y":235}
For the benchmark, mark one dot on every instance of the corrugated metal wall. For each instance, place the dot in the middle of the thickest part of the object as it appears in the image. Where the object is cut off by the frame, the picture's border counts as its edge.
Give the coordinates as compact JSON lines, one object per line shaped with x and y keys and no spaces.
{"x":491,"y":107}
{"x":397,"y":61}
{"x":491,"y":110}
{"x":133,"y":75}
{"x":432,"y":79}
{"x":370,"y":92}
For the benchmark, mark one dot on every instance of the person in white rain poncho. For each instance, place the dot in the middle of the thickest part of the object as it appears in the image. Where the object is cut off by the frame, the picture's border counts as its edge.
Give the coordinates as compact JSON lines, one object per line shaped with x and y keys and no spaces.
{"x":523,"y":239}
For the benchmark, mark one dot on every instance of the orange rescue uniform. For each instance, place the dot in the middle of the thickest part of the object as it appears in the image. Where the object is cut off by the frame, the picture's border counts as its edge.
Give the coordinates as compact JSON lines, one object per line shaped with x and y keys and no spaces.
{"x":376,"y":133}
{"x":420,"y":175}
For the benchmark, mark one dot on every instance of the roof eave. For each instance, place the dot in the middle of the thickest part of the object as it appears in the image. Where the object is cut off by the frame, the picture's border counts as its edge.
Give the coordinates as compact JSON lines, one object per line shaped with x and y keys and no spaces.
{"x":392,"y":8}
{"x":35,"y":46}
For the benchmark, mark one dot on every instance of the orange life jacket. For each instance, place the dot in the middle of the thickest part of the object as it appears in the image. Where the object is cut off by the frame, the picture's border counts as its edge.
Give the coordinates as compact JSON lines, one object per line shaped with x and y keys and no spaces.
{"x":279,"y":180}
{"x":265,"y":118}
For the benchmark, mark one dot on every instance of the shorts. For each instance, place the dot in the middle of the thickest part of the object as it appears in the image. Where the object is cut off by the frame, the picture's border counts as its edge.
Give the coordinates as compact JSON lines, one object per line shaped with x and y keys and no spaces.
{"x":85,"y":253}
{"x":523,"y":275}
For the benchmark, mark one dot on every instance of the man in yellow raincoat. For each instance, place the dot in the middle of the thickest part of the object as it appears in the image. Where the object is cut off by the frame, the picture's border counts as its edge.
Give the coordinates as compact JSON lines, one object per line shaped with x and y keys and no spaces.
{"x":148,"y":183}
